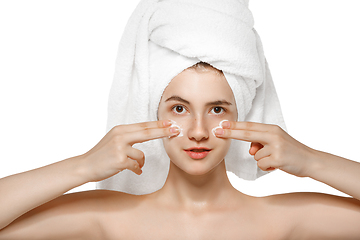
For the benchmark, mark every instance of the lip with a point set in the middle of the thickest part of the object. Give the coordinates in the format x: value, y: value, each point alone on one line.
x: 197, y: 154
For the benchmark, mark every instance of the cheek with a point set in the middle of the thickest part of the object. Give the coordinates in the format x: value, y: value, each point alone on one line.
x: 173, y: 146
x: 171, y: 143
x: 220, y: 143
x: 226, y: 145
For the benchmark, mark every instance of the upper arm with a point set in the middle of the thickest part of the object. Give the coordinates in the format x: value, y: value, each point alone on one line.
x: 322, y: 216
x: 71, y: 216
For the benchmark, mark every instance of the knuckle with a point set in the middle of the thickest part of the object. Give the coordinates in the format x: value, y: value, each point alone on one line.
x: 141, y: 164
x: 227, y: 133
x: 279, y: 145
x: 147, y: 132
x: 122, y: 161
x: 119, y: 150
x: 276, y: 157
x: 277, y: 139
x: 247, y: 134
x: 135, y: 165
x: 119, y: 129
x: 142, y: 156
x: 249, y: 125
x: 276, y: 129
x: 117, y: 140
x: 144, y: 125
x: 257, y: 155
x: 160, y: 124
x: 275, y: 136
x: 139, y: 154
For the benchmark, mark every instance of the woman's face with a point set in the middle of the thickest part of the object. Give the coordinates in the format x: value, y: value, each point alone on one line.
x: 197, y: 101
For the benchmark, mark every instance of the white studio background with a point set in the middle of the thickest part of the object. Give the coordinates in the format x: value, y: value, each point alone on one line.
x: 57, y: 62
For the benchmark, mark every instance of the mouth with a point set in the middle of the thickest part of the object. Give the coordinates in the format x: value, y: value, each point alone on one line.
x: 197, y: 152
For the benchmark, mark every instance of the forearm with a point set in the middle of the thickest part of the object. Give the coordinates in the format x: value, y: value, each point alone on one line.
x: 24, y: 191
x: 337, y: 172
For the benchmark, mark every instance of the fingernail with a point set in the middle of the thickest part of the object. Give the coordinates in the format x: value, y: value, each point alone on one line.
x: 219, y: 131
x: 167, y: 123
x: 225, y: 124
x: 174, y: 130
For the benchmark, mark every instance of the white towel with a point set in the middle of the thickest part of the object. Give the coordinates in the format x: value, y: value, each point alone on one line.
x: 164, y: 37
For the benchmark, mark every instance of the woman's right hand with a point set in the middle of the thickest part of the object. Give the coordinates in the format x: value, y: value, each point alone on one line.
x: 114, y: 152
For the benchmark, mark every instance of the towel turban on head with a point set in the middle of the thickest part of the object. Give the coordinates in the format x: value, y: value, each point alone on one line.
x: 164, y: 37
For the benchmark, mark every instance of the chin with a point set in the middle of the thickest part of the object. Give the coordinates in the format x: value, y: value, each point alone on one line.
x: 197, y: 167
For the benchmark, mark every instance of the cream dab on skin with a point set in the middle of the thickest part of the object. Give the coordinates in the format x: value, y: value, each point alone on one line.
x: 220, y: 126
x: 174, y: 124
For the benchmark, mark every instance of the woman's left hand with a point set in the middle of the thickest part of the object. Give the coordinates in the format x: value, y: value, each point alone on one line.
x: 271, y: 146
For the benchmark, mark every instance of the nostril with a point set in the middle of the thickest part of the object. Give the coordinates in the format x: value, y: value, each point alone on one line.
x: 198, y: 130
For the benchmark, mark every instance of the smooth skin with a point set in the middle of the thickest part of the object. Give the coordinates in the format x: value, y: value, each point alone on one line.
x: 70, y: 215
x: 197, y: 200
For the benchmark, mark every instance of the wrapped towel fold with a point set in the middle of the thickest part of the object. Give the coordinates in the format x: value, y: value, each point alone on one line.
x: 164, y: 37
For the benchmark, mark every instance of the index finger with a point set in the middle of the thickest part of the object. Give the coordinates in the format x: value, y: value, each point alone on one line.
x: 244, y: 135
x: 248, y: 126
x: 150, y: 134
x: 134, y: 127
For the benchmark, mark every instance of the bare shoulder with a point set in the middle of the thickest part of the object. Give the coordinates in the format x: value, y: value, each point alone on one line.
x: 318, y: 215
x: 301, y: 201
x: 108, y: 200
x: 124, y: 216
x: 70, y: 216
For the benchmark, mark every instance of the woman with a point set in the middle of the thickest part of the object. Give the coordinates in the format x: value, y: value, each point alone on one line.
x: 197, y: 194
x: 197, y: 200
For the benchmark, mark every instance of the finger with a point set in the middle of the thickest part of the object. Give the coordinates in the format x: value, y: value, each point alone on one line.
x: 136, y: 155
x: 243, y: 135
x: 255, y: 147
x: 133, y: 165
x: 249, y: 126
x: 151, y: 134
x: 142, y: 126
x: 262, y: 153
x: 266, y: 164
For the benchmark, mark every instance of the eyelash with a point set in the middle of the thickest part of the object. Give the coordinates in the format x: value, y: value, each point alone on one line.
x: 223, y: 110
x: 174, y: 109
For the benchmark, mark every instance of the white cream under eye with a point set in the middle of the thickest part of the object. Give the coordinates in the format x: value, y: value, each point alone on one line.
x: 174, y: 124
x: 220, y: 126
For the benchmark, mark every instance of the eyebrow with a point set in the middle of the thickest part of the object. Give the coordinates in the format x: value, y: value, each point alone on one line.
x: 177, y: 98
x: 180, y: 99
x: 219, y: 102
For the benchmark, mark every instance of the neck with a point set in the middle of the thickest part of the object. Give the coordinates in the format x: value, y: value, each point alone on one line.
x: 212, y: 189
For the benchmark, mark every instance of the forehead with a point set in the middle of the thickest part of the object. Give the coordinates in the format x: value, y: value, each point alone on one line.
x: 199, y: 86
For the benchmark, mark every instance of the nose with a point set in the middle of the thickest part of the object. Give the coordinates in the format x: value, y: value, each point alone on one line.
x: 198, y: 130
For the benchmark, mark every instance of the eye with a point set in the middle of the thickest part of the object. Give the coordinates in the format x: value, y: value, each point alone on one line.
x: 218, y: 110
x: 179, y: 109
